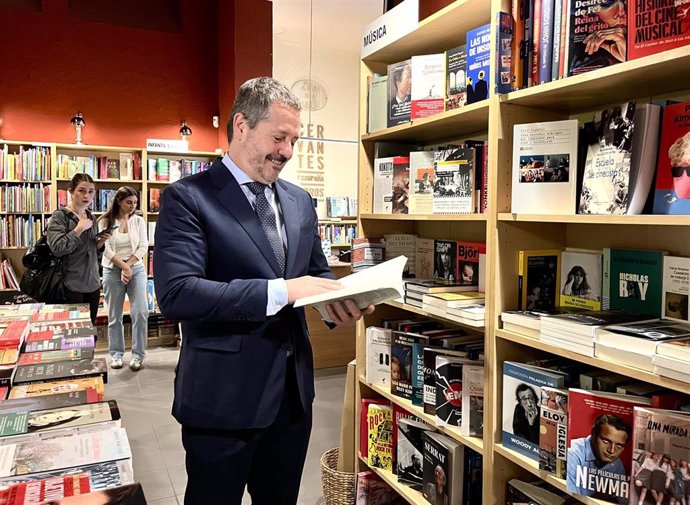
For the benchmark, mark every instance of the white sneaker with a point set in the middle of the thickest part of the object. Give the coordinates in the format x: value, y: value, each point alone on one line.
x: 116, y: 363
x: 136, y: 364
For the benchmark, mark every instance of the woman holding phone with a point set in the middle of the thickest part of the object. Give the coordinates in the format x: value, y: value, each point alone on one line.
x: 124, y: 272
x: 71, y: 234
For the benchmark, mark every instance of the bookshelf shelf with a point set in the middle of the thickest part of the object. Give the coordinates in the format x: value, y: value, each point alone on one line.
x: 637, y: 373
x: 409, y: 494
x: 21, y: 181
x: 422, y: 312
x: 648, y: 220
x: 533, y: 467
x: 473, y: 443
x: 651, y: 75
x: 423, y: 217
x: 96, y: 149
x: 158, y: 183
x: 23, y: 213
x: 469, y: 119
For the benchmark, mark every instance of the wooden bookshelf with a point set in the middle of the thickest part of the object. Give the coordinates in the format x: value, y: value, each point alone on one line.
x: 412, y: 496
x: 650, y: 78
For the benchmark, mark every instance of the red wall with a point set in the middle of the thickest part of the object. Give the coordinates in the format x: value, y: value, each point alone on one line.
x: 131, y: 83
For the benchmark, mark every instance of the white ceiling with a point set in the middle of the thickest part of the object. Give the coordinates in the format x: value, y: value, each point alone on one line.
x: 336, y: 24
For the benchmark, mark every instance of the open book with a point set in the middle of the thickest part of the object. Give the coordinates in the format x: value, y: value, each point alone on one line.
x: 372, y: 286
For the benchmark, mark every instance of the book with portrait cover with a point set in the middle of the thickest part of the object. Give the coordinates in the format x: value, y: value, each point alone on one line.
x: 657, y: 25
x: 581, y: 279
x: 553, y: 431
x: 404, y: 362
x: 410, y: 452
x: 456, y: 77
x: 400, y: 185
x: 44, y: 372
x: 636, y: 278
x: 676, y: 289
x: 454, y: 184
x: 672, y: 190
x: 600, y: 444
x: 428, y: 85
x: 444, y: 461
x: 445, y: 263
x: 399, y: 93
x: 599, y: 25
x: 380, y: 437
x: 660, y: 445
x: 538, y: 279
x: 422, y: 177
x: 544, y: 167
x: 521, y: 412
x: 33, y: 358
x: 468, y: 262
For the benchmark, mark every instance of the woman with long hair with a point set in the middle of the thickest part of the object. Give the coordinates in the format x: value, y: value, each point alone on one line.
x: 71, y: 234
x: 124, y: 272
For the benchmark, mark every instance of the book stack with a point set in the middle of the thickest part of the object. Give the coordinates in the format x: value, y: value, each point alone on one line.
x: 367, y: 252
x: 57, y: 432
x: 672, y: 359
x: 466, y: 308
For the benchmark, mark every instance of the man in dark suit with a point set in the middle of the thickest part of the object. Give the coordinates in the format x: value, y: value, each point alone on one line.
x: 235, y: 247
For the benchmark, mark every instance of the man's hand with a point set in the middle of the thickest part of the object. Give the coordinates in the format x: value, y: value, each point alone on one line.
x: 308, y: 286
x: 346, y: 312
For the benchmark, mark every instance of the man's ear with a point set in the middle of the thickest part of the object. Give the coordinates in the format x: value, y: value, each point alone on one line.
x: 239, y: 125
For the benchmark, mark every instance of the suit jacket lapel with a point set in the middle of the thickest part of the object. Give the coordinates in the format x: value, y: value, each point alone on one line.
x: 288, y: 206
x: 233, y: 199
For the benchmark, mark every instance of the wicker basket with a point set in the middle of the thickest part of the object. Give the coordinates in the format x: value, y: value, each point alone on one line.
x: 338, y: 487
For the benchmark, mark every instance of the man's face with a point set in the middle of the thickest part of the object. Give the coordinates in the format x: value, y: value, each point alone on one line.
x: 264, y: 150
x: 613, y: 13
x: 610, y: 443
x: 527, y: 400
x: 445, y: 259
x: 405, y: 84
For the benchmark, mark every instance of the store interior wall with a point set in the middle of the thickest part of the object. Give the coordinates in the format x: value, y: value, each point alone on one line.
x: 134, y: 69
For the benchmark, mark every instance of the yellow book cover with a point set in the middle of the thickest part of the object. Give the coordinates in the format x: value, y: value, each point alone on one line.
x: 380, y: 436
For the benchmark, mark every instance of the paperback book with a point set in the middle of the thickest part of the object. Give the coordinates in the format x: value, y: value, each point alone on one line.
x: 581, y: 279
x: 553, y: 431
x: 672, y: 190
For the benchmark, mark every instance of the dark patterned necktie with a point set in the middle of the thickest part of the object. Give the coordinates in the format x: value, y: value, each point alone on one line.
x: 267, y: 217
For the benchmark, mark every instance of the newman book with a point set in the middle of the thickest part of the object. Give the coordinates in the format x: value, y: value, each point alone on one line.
x: 553, y: 431
x: 636, y: 281
x: 600, y: 444
x: 672, y: 191
x: 657, y: 25
x: 521, y: 412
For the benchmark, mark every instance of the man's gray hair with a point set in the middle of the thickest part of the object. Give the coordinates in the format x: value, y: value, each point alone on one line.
x: 255, y: 98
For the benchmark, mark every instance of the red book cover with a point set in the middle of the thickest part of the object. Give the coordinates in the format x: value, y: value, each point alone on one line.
x: 36, y: 336
x: 657, y: 25
x: 51, y: 489
x: 468, y: 262
x: 672, y: 191
x: 599, y: 461
x: 518, y: 14
x: 3, y: 392
x: 363, y: 431
x: 401, y: 184
x: 564, y: 38
x: 12, y: 333
x: 136, y: 169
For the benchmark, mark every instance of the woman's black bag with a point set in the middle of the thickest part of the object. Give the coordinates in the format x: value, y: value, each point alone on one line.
x: 43, y: 279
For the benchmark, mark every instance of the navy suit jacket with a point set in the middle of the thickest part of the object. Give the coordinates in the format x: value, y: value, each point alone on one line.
x: 212, y: 263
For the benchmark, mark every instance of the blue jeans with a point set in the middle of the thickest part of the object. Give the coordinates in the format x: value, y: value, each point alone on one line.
x: 114, y: 291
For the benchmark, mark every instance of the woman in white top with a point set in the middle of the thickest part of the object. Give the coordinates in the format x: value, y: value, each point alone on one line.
x: 124, y: 272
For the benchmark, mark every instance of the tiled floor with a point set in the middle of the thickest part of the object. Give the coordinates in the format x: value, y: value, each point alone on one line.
x: 145, y: 398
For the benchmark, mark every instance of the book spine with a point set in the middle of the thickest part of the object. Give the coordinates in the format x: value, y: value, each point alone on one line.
x: 536, y: 43
x: 546, y: 41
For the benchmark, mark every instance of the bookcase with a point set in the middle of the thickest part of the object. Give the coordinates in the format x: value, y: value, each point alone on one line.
x: 505, y: 233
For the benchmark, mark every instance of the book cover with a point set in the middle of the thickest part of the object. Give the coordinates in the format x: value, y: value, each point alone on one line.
x: 378, y: 104
x: 424, y: 258
x: 57, y: 344
x: 656, y: 26
x: 606, y: 176
x: 64, y: 328
x: 410, y: 452
x: 553, y: 431
x: 378, y: 351
x: 44, y: 372
x: 41, y: 490
x: 641, y: 337
x: 154, y: 200
x: 546, y: 41
x: 383, y: 185
x: 422, y: 175
x: 428, y: 85
x: 472, y: 419
x: 538, y: 279
x: 126, y: 166
x: 478, y: 63
x: 517, y: 14
x: 672, y: 190
x: 443, y: 469
x: 399, y: 92
x: 597, y: 35
x: 32, y: 358
x: 403, y: 363
x: 521, y: 405
x: 401, y: 185
x: 636, y: 281
x: 364, y: 423
x: 448, y: 410
x: 132, y: 494
x: 454, y: 191
x: 113, y: 169
x: 468, y: 262
x: 101, y: 475
x: 676, y: 288
x: 61, y: 386
x: 504, y: 41
x: 44, y: 402
x: 456, y: 77
x: 445, y: 260
x: 600, y: 444
x: 429, y: 354
x: 380, y: 436
x: 372, y: 490
x: 581, y: 279
x: 544, y: 168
